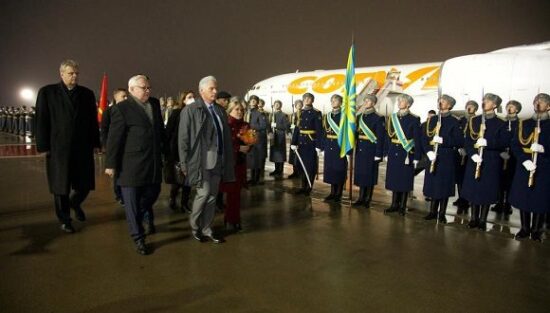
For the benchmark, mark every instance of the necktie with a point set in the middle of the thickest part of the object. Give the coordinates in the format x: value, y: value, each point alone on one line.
x: 218, y: 129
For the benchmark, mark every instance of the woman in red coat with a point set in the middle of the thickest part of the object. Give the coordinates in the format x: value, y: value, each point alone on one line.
x: 240, y: 147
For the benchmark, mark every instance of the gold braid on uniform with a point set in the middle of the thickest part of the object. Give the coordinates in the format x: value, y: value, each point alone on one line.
x: 388, y: 129
x: 472, y: 132
x: 325, y: 126
x: 430, y: 133
x: 466, y: 127
x: 523, y: 141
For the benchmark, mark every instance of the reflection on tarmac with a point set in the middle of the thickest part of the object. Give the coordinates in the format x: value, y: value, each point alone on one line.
x: 295, y: 254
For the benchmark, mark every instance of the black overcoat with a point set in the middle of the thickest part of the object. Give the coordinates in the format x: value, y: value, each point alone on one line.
x: 67, y: 129
x: 135, y: 144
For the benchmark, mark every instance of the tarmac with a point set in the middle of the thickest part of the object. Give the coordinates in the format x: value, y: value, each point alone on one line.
x: 295, y: 254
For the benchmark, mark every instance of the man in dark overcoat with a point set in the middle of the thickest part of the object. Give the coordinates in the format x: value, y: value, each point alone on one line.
x: 135, y: 145
x: 67, y: 132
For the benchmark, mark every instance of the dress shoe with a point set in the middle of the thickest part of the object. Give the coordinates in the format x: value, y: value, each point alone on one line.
x: 293, y: 175
x: 430, y: 216
x: 442, y: 219
x: 141, y: 248
x: 367, y: 204
x: 522, y: 234
x: 79, y: 214
x: 214, y: 239
x: 273, y: 173
x: 330, y: 197
x: 68, y: 228
x: 358, y: 202
x: 391, y: 210
x: 337, y: 199
x: 536, y: 236
x: 198, y: 236
x: 172, y: 204
x: 473, y: 224
x: 119, y: 200
x: 151, y: 229
x: 482, y: 226
x: 185, y: 208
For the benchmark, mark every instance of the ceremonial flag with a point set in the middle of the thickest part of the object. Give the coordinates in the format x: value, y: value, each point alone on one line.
x: 102, y: 105
x: 346, y: 135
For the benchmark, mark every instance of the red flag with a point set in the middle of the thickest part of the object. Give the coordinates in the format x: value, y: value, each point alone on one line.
x: 102, y: 105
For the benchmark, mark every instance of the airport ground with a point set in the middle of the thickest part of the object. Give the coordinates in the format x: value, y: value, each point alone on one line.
x: 295, y: 255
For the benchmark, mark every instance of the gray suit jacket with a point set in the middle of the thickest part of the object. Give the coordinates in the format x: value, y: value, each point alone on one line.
x: 197, y: 143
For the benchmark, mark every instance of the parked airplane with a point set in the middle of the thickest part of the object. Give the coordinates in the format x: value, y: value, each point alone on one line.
x: 516, y: 73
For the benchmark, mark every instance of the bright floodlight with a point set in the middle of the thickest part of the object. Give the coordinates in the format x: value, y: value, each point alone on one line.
x: 27, y: 94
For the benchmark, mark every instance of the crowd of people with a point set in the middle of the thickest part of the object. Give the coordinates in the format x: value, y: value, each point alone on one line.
x: 208, y: 141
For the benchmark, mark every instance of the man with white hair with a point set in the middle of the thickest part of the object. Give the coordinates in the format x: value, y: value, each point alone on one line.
x: 67, y: 132
x: 206, y: 156
x: 134, y: 146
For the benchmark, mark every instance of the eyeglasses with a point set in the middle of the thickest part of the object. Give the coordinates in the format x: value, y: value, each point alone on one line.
x: 144, y: 88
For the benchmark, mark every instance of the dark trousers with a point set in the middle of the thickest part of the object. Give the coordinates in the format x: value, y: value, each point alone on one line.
x: 138, y: 204
x: 63, y: 204
x: 118, y: 191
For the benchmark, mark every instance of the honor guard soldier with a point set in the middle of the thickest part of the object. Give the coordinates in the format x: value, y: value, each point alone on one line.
x: 335, y: 167
x: 307, y: 142
x: 257, y: 155
x: 486, y: 138
x: 441, y: 138
x: 530, y: 191
x: 461, y: 203
x: 509, y: 161
x: 2, y: 118
x: 297, y: 109
x: 279, y: 128
x: 371, y: 135
x: 403, y: 151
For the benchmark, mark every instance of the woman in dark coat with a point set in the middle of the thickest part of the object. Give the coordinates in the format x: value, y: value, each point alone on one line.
x: 233, y: 189
x: 171, y: 172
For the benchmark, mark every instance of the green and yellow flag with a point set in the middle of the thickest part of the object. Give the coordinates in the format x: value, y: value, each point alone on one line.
x: 346, y: 135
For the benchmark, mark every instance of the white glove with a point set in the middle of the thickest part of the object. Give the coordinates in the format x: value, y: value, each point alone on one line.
x: 385, y: 159
x: 431, y: 155
x: 505, y: 155
x: 377, y: 158
x: 347, y: 158
x: 537, y: 147
x: 292, y: 127
x: 415, y: 163
x: 294, y: 147
x: 481, y: 142
x: 529, y: 165
x: 438, y: 139
x: 476, y: 158
x: 462, y: 152
x: 273, y: 125
x: 318, y: 150
x: 270, y: 136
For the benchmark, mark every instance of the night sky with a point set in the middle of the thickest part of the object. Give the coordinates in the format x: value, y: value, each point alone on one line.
x: 242, y: 42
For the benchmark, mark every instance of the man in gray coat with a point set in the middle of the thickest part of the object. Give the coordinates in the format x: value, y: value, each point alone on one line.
x: 206, y: 156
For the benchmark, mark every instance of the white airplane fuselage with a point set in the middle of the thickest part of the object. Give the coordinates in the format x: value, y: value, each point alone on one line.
x: 517, y: 73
